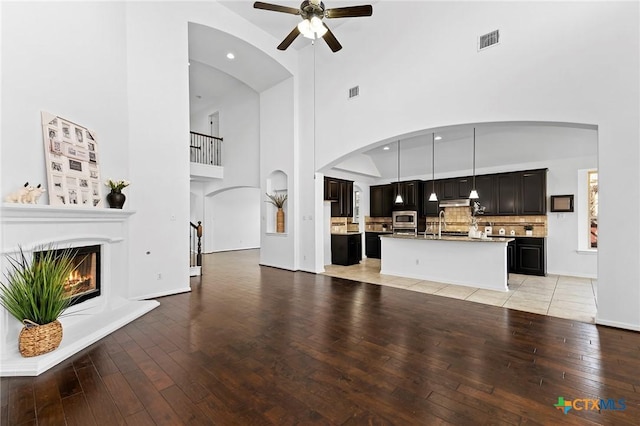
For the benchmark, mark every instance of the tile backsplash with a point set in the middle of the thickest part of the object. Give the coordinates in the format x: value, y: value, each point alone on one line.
x: 458, y: 219
x: 342, y: 225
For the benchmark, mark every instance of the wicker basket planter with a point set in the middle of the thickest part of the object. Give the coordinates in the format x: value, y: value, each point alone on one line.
x: 35, y: 339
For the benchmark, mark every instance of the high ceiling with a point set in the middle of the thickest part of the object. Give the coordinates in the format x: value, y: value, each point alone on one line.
x: 213, y: 76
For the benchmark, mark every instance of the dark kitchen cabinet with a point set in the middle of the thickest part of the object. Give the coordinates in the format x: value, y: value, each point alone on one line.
x: 533, y: 192
x: 381, y: 200
x: 530, y: 256
x: 448, y: 189
x: 485, y: 185
x: 372, y: 245
x: 506, y: 193
x: 464, y: 187
x: 342, y: 204
x: 430, y: 208
x: 331, y: 189
x: 411, y: 192
x: 346, y: 249
x: 412, y: 195
x: 455, y: 188
x: 511, y: 256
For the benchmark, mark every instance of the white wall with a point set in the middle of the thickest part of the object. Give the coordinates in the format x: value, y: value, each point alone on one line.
x: 553, y: 64
x: 240, y: 129
x: 563, y: 257
x: 78, y: 73
x: 277, y: 145
x: 233, y: 220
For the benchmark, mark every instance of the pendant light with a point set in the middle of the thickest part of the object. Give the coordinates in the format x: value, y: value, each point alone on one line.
x: 399, y: 197
x: 433, y: 196
x: 474, y: 194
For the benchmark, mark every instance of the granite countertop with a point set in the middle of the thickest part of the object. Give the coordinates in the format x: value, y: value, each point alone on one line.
x: 346, y: 233
x: 452, y: 238
x: 515, y: 236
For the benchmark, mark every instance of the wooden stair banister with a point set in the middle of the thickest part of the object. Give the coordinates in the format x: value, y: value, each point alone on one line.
x: 198, y: 231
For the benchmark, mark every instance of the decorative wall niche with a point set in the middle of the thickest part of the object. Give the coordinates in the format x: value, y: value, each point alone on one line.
x: 276, y: 184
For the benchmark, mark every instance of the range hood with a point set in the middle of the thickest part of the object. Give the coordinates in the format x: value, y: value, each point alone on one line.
x: 463, y: 202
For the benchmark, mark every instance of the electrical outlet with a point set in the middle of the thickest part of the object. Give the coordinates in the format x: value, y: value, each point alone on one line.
x: 159, y: 276
x: 417, y: 261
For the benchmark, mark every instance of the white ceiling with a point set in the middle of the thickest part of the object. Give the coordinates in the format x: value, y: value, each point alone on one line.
x: 213, y: 76
x: 497, y: 145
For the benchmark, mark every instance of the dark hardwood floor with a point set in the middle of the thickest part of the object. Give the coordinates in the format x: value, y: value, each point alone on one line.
x: 253, y: 345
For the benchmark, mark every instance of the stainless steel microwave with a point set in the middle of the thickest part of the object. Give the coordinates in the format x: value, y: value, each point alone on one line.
x: 407, y: 219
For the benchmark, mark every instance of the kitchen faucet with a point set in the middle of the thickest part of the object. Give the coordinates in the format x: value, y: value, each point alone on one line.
x: 440, y: 220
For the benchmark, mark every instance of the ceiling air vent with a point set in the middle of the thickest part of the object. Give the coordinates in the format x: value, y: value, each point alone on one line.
x: 489, y: 39
x: 354, y: 91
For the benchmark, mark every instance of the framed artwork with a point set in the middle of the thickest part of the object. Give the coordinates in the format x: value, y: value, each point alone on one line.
x: 562, y: 203
x: 71, y: 156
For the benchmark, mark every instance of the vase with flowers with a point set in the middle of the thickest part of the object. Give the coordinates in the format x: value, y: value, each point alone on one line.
x: 116, y: 198
x: 278, y: 200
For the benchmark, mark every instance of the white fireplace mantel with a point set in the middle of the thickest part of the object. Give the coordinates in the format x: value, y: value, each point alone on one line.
x: 30, y: 226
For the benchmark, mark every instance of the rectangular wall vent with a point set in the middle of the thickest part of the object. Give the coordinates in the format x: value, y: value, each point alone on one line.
x: 489, y: 39
x: 354, y: 91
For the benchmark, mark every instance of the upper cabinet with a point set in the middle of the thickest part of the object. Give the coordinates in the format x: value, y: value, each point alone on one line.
x: 501, y: 194
x: 521, y: 193
x: 533, y: 192
x: 455, y: 188
x: 485, y: 185
x: 411, y: 192
x: 340, y: 193
x: 331, y: 189
x: 506, y: 194
x: 430, y: 208
x: 381, y: 199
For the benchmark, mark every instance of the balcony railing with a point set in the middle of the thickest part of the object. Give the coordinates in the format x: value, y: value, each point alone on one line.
x: 206, y: 149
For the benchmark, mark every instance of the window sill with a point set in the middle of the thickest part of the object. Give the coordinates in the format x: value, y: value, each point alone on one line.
x: 587, y: 251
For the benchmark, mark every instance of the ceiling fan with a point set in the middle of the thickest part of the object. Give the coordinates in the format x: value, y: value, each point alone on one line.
x: 312, y: 12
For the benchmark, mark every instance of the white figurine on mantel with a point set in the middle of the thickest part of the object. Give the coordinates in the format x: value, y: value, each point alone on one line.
x: 21, y: 195
x: 33, y: 196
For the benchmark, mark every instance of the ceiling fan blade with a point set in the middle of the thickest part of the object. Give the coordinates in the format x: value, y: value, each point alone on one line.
x: 289, y: 39
x: 276, y: 8
x: 331, y: 40
x: 349, y: 12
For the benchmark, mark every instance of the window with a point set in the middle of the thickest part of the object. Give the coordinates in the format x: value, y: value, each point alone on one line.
x: 356, y: 206
x: 593, y: 208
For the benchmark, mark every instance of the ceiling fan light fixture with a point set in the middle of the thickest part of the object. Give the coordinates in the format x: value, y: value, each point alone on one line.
x: 312, y: 28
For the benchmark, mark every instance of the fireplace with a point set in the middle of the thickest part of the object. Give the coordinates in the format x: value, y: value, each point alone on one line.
x: 84, y: 282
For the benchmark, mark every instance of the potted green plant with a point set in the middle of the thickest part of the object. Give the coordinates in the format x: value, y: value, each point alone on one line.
x: 278, y: 200
x: 34, y: 294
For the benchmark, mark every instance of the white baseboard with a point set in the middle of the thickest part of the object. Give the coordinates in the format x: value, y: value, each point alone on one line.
x: 617, y: 324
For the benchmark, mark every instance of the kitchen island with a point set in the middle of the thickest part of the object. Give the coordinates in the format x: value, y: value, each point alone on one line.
x: 472, y: 262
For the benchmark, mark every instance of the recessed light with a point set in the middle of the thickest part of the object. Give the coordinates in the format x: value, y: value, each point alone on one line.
x: 231, y: 56
x: 386, y: 148
x: 438, y: 138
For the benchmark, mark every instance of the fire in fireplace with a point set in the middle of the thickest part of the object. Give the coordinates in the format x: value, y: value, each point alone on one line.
x: 84, y: 281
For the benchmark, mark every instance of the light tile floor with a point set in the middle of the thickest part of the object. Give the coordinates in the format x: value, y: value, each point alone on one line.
x: 553, y: 295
